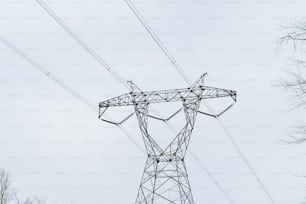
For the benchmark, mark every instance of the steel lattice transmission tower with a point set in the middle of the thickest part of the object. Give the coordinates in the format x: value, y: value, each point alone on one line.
x: 165, y: 179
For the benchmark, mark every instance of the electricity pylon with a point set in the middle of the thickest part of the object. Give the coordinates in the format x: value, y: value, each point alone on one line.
x: 165, y: 178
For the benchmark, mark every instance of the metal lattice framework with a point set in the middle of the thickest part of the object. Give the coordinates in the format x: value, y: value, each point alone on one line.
x: 165, y: 178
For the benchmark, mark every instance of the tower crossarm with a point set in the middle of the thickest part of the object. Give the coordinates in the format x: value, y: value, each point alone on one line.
x: 174, y: 95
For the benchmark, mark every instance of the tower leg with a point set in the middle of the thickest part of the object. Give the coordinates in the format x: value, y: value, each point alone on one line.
x: 164, y: 182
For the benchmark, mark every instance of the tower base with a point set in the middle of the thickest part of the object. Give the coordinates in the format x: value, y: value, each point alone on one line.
x: 164, y: 181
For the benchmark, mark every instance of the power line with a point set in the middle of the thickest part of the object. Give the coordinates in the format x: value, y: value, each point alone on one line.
x: 117, y: 76
x: 158, y: 42
x: 245, y: 160
x: 183, y: 74
x: 75, y: 36
x: 60, y: 83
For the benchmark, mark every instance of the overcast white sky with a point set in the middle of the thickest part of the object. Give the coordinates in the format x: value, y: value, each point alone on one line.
x: 56, y: 147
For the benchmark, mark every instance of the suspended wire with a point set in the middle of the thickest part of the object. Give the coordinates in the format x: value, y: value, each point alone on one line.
x: 176, y: 30
x: 158, y: 42
x: 193, y: 156
x: 119, y: 78
x: 61, y: 84
x: 75, y: 36
x: 245, y: 160
x: 184, y: 75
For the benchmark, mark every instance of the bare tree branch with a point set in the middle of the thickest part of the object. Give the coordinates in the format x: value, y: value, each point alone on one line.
x: 6, y: 194
x: 296, y: 34
x: 295, y: 84
x: 9, y: 196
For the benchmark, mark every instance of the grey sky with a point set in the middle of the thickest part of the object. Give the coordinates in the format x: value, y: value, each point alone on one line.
x: 57, y: 148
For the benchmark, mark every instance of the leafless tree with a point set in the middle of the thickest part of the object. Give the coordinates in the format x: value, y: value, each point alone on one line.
x: 9, y: 196
x: 295, y: 83
x: 6, y: 194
